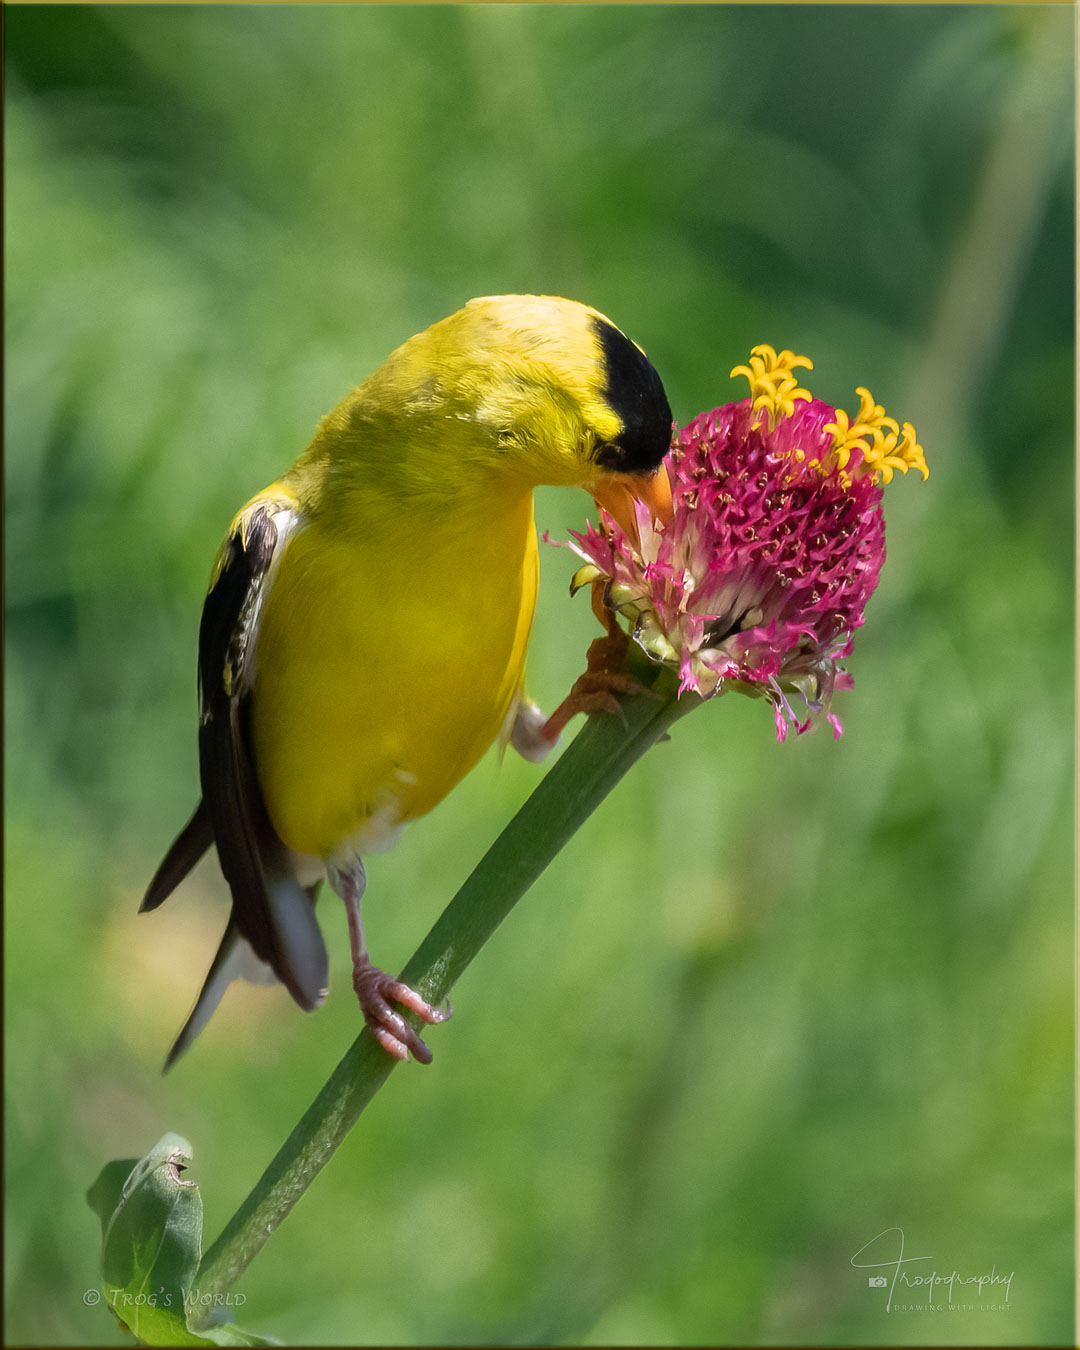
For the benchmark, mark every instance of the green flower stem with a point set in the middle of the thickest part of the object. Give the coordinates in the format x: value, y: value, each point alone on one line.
x: 586, y: 772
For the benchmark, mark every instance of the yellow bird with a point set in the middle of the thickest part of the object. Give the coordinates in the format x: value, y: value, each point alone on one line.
x: 363, y: 638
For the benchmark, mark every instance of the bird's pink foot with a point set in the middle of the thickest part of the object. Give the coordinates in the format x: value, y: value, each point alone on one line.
x: 376, y: 992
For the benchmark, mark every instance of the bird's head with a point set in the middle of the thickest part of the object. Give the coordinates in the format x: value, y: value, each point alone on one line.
x: 533, y: 388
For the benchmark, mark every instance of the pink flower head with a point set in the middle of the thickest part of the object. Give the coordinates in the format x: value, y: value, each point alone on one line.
x: 775, y: 546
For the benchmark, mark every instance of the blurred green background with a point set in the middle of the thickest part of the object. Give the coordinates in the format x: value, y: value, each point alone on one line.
x: 772, y: 1000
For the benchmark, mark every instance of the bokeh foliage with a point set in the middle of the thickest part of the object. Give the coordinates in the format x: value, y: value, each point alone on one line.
x: 774, y: 999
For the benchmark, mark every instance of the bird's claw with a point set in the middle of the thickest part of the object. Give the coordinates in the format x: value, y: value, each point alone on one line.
x: 595, y: 690
x: 376, y: 991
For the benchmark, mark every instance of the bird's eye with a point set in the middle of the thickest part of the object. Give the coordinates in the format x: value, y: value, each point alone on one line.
x: 608, y: 456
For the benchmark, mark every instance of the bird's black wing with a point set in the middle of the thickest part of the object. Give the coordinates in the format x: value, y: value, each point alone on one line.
x: 271, y: 909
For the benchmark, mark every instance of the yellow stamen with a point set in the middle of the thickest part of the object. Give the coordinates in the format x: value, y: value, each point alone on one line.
x: 884, y: 446
x: 773, y: 387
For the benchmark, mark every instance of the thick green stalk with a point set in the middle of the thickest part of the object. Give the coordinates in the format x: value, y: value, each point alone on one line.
x: 587, y: 771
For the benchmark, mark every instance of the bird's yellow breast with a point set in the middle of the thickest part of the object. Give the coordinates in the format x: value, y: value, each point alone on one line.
x: 391, y: 647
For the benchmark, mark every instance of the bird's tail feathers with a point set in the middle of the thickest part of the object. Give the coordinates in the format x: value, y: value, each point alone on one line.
x: 186, y: 850
x: 292, y: 909
x: 234, y: 961
x: 303, y: 965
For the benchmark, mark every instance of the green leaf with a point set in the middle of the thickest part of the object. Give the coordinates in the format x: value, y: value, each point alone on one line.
x: 151, y: 1232
x: 104, y: 1195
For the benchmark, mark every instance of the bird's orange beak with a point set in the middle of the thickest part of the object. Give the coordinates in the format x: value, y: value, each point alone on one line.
x: 617, y: 495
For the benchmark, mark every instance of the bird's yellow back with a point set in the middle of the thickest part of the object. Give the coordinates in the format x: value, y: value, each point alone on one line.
x: 510, y: 385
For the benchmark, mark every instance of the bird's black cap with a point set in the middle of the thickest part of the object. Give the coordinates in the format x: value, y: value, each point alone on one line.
x: 636, y: 395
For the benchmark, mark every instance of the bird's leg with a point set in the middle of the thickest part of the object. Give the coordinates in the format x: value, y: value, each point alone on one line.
x: 377, y: 990
x: 604, y: 676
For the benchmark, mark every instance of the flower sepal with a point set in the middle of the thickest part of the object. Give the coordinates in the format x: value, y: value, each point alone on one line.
x: 583, y: 577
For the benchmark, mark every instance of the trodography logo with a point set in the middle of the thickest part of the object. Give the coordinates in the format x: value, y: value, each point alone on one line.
x: 914, y: 1287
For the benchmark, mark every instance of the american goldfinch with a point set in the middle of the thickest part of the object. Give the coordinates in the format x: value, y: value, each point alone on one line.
x: 363, y: 639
